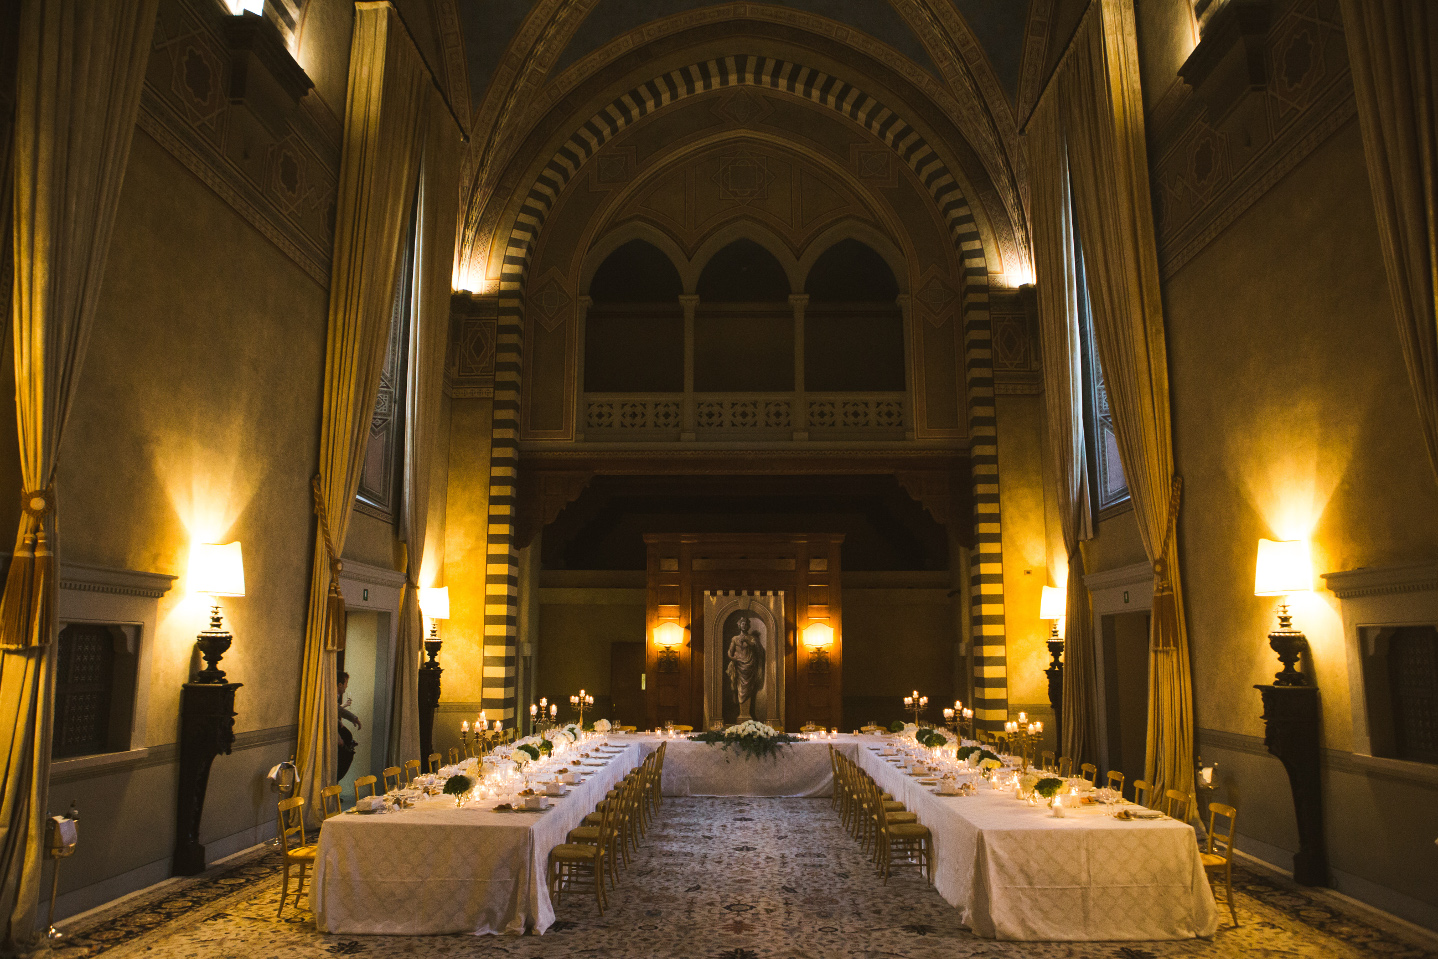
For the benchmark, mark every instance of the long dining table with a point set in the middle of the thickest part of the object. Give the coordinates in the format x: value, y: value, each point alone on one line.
x: 1015, y: 871
x: 435, y: 868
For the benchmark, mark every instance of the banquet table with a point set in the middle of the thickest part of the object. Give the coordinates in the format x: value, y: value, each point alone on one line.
x: 800, y: 770
x: 436, y: 868
x: 1016, y: 872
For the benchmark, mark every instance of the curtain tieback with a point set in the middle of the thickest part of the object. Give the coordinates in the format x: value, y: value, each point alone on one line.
x: 1165, y: 603
x: 335, y: 620
x: 38, y: 503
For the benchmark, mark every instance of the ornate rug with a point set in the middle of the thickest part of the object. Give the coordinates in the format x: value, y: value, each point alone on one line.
x: 721, y: 879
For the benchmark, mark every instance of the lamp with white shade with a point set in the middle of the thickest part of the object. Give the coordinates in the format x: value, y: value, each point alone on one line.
x: 434, y: 604
x: 1284, y: 568
x: 1053, y: 605
x: 217, y: 570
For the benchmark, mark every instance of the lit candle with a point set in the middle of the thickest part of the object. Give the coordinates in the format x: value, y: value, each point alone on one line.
x: 948, y: 713
x: 464, y: 726
x: 958, y: 706
x: 533, y: 709
x: 554, y: 709
x: 1023, y: 717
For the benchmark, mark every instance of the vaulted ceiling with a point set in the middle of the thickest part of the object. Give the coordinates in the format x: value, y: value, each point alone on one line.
x: 963, y: 73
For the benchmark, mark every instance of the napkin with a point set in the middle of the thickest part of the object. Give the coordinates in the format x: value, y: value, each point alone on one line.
x: 370, y: 804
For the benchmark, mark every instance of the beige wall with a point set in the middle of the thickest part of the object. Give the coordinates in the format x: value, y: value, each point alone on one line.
x: 1025, y: 544
x: 467, y: 516
x: 1293, y: 419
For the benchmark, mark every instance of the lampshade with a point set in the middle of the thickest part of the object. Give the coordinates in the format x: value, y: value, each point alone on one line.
x: 217, y: 570
x: 1283, y: 568
x: 1052, y: 602
x: 434, y: 601
x: 669, y: 634
x: 818, y: 635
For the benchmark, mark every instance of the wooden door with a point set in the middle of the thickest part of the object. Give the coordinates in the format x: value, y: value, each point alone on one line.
x: 626, y: 684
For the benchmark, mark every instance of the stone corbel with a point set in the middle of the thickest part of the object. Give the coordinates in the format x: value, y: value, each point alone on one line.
x: 1230, y: 63
x: 264, y: 77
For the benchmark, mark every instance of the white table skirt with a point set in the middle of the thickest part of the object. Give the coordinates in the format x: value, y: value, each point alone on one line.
x: 1016, y: 872
x: 438, y: 869
x: 800, y: 770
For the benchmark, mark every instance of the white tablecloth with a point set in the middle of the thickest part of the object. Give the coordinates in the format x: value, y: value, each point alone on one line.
x: 439, y: 869
x: 1016, y: 872
x: 701, y: 769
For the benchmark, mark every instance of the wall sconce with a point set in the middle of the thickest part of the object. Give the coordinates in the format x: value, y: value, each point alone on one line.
x: 218, y: 570
x: 819, y: 638
x: 1053, y: 605
x: 1284, y: 568
x: 669, y: 636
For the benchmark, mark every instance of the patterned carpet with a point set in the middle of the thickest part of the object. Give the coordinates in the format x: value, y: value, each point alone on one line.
x: 719, y: 879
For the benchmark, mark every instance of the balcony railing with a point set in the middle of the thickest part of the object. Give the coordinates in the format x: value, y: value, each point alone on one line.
x: 669, y: 417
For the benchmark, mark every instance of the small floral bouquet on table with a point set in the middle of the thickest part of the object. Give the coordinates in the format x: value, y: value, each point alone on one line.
x: 602, y: 726
x: 525, y: 753
x: 1049, y: 787
x: 458, y: 786
x: 751, y: 737
x: 897, y: 726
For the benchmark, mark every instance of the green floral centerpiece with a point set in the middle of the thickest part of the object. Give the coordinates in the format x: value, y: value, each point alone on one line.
x: 897, y: 726
x: 458, y: 786
x: 528, y: 750
x: 752, y: 738
x: 545, y: 747
x: 931, y: 738
x: 1048, y: 787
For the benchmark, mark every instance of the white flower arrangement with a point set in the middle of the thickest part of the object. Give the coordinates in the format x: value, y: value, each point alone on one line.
x: 990, y: 764
x: 602, y: 726
x: 752, y: 729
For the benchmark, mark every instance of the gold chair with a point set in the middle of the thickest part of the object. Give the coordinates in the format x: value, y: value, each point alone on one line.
x: 911, y: 842
x: 453, y: 755
x: 628, y: 729
x: 580, y: 865
x: 1142, y: 792
x: 1046, y: 761
x: 1177, y: 804
x: 330, y: 796
x: 1217, y: 855
x: 811, y: 728
x: 1115, y: 781
x: 682, y: 729
x: 361, y: 783
x: 1089, y: 772
x: 871, y: 728
x: 411, y: 770
x: 297, y: 852
x: 435, y: 761
x: 1066, y: 767
x: 392, y: 778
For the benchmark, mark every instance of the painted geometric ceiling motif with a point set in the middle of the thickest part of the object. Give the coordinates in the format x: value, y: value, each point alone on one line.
x: 743, y: 176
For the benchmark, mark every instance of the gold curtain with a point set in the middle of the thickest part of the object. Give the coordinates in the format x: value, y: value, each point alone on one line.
x: 1062, y: 343
x: 384, y: 118
x: 1393, y: 50
x: 429, y: 336
x: 1103, y: 123
x: 80, y: 69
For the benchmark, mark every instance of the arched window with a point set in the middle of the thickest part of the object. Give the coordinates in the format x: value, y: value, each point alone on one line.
x: 744, y: 326
x: 853, y: 328
x: 634, y: 331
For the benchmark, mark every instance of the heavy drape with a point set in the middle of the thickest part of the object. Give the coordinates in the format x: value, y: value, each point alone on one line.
x: 429, y: 335
x: 1056, y: 272
x: 80, y: 69
x: 384, y: 117
x: 1104, y: 128
x: 1393, y: 50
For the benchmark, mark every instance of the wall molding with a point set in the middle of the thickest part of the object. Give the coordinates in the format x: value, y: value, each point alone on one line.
x: 1334, y: 760
x: 1382, y: 580
x: 110, y: 764
x: 118, y: 582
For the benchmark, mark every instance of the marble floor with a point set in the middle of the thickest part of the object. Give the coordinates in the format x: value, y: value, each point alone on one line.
x: 721, y: 879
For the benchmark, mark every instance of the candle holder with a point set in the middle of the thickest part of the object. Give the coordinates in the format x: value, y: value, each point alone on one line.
x: 917, y: 703
x: 581, y: 701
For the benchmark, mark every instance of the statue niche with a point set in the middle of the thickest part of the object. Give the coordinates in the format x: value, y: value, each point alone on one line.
x: 745, y: 681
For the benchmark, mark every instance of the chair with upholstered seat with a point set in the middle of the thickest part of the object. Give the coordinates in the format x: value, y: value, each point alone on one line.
x: 1142, y: 792
x: 297, y: 851
x: 1089, y: 773
x: 1177, y: 804
x: 330, y: 800
x: 1217, y: 855
x: 361, y: 783
x: 1115, y: 781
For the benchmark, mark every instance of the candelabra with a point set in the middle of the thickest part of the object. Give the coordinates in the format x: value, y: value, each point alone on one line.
x: 954, y: 718
x: 581, y: 702
x: 1023, y: 734
x: 917, y: 703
